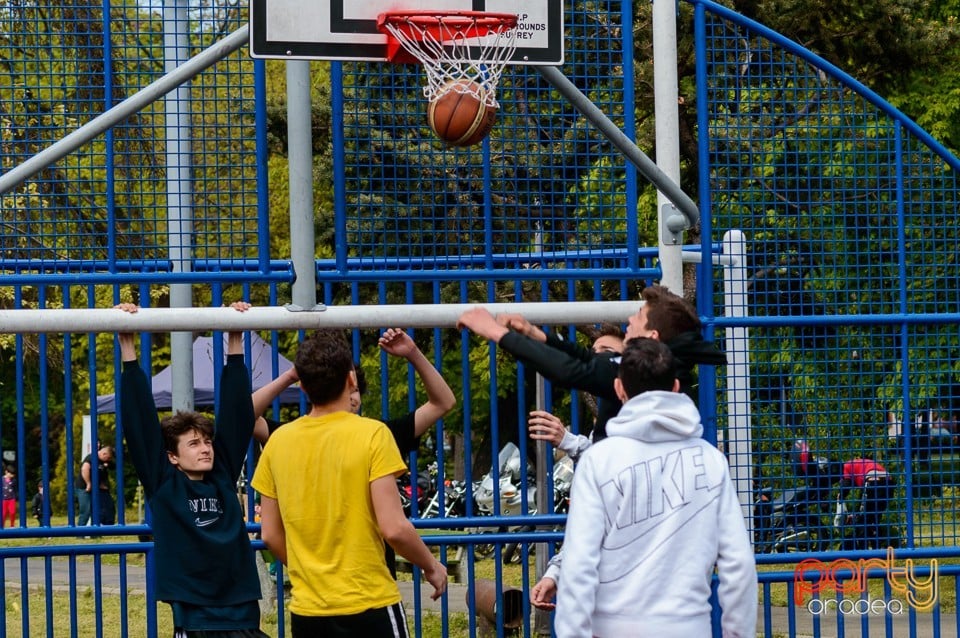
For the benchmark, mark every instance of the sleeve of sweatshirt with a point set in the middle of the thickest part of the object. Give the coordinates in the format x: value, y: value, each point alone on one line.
x: 577, y: 592
x: 572, y: 348
x: 235, y: 417
x: 574, y: 444
x: 736, y: 568
x: 141, y: 427
x: 594, y: 375
x: 553, y: 567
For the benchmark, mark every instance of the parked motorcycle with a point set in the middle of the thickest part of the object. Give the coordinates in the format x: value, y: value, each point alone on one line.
x: 454, y: 501
x: 507, y: 492
x: 562, y: 480
x: 504, y: 496
x: 511, y: 498
x: 422, y: 494
x: 794, y: 520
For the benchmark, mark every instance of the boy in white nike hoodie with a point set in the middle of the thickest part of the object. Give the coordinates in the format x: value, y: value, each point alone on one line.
x: 652, y: 512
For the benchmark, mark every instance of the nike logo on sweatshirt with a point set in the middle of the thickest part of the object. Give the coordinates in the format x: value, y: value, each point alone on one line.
x: 662, y: 491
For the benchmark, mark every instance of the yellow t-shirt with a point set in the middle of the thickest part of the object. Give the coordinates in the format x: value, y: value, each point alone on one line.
x: 319, y: 470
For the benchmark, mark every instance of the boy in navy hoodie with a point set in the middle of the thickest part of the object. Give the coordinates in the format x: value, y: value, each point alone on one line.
x: 205, y: 566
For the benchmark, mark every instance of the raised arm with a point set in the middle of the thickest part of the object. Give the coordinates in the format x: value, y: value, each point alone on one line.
x: 235, y: 418
x: 440, y: 398
x: 138, y: 414
x: 264, y: 396
x: 235, y: 338
x: 594, y: 375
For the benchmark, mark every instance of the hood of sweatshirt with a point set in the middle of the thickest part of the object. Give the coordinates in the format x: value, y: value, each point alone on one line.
x: 657, y: 416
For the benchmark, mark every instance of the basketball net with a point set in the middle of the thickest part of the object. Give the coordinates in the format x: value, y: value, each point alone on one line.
x: 464, y: 51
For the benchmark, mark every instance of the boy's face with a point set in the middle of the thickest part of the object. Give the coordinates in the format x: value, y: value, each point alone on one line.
x: 194, y: 455
x: 608, y: 343
x: 637, y: 326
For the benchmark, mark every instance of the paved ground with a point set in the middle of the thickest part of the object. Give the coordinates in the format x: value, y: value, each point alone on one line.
x: 58, y: 573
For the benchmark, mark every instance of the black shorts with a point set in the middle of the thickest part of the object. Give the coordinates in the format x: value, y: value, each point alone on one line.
x: 386, y: 622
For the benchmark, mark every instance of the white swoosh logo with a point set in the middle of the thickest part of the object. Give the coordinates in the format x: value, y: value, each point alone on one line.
x: 200, y: 523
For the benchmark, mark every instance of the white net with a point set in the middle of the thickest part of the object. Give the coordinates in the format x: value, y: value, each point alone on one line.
x: 461, y: 52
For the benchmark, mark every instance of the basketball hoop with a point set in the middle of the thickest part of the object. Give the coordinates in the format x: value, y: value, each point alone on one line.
x: 459, y: 49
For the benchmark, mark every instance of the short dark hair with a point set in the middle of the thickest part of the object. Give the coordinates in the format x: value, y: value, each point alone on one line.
x: 323, y: 363
x: 176, y: 425
x: 669, y: 314
x: 610, y: 330
x: 646, y: 364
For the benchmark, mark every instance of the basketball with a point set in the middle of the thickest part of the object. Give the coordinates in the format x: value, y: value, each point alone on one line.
x: 458, y: 116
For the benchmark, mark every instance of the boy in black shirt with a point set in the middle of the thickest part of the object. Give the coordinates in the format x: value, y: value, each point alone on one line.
x: 205, y: 568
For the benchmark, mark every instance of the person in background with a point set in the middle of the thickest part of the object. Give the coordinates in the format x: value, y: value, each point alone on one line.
x: 640, y: 552
x: 84, y: 486
x: 9, y: 497
x: 37, y: 505
x: 663, y: 316
x: 876, y: 489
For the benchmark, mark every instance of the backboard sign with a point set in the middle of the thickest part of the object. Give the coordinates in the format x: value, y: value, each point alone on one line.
x: 347, y: 29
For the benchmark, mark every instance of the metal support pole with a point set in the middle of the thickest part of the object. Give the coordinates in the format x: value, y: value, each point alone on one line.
x: 179, y: 163
x: 666, y: 110
x: 541, y: 619
x: 300, y: 167
x: 737, y: 439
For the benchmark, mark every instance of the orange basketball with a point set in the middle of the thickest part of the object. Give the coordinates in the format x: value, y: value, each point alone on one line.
x: 458, y: 117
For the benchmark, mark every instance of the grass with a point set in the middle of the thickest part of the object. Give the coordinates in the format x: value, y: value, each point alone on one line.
x: 113, y: 614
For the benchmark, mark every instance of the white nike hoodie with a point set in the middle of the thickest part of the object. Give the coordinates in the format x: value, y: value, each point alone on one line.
x: 652, y: 511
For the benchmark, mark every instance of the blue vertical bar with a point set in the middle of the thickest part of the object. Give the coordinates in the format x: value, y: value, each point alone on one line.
x: 630, y: 130
x: 109, y: 145
x: 339, y: 171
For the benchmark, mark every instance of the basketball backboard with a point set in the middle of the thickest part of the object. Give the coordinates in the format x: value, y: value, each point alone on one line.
x: 347, y: 29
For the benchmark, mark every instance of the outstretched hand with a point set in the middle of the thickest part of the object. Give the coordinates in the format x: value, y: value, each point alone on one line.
x: 127, y: 350
x: 398, y: 343
x: 235, y: 337
x: 480, y: 322
x: 543, y: 594
x: 519, y: 323
x: 544, y: 426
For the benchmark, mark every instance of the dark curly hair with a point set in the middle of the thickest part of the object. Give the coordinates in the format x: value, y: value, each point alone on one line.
x: 324, y: 362
x: 176, y: 425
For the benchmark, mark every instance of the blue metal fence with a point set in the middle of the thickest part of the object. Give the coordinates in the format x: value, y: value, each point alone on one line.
x: 844, y: 202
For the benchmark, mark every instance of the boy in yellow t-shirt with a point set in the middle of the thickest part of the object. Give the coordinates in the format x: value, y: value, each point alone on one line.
x: 329, y: 500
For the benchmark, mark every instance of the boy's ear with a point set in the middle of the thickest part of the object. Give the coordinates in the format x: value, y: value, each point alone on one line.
x: 618, y: 388
x: 173, y: 458
x: 352, y: 383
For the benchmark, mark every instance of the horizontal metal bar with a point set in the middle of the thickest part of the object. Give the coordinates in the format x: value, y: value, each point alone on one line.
x: 83, y: 320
